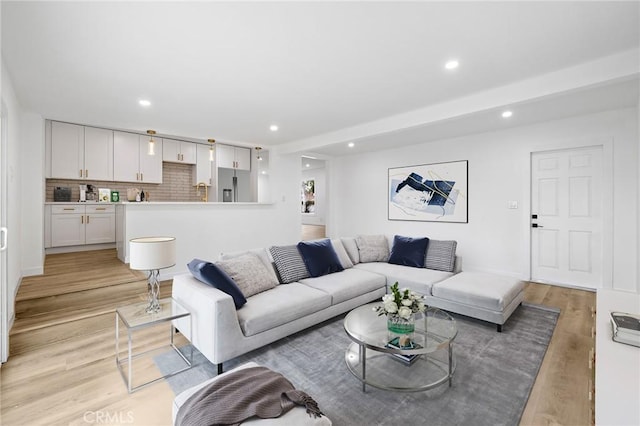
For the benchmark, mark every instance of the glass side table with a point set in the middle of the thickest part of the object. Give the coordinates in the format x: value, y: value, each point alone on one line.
x: 134, y: 319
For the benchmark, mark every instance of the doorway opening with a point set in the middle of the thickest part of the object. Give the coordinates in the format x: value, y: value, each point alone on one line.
x: 313, y: 198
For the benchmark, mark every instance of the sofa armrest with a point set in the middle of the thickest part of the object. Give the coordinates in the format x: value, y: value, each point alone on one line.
x: 214, y: 324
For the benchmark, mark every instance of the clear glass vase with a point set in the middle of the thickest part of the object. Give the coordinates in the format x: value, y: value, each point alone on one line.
x: 399, y: 327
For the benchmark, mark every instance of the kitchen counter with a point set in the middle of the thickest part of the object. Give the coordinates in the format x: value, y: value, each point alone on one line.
x: 201, y: 229
x: 155, y: 203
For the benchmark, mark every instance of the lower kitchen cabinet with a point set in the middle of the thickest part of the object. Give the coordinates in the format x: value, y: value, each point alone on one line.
x: 75, y: 225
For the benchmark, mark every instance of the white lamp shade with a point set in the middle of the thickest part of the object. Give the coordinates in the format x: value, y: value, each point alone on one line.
x: 150, y: 253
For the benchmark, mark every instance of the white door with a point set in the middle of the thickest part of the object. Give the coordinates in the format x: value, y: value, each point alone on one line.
x: 566, y: 217
x: 4, y: 282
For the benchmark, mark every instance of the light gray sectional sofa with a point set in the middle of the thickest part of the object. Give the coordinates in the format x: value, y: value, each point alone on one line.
x: 222, y: 332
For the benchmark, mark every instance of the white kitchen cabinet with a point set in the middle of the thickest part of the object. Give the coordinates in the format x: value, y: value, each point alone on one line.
x: 175, y: 151
x: 80, y: 152
x: 150, y: 165
x: 100, y: 224
x: 132, y: 161
x: 67, y: 226
x: 233, y: 157
x: 98, y: 153
x: 76, y: 225
x: 204, y: 167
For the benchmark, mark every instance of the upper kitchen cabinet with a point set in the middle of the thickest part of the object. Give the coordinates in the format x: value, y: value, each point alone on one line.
x: 134, y: 164
x: 233, y: 157
x: 204, y: 165
x: 178, y: 151
x: 80, y: 152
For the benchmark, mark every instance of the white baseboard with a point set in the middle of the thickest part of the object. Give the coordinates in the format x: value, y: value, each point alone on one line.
x: 29, y: 272
x: 88, y: 247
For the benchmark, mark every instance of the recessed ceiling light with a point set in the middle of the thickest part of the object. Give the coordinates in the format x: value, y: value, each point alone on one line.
x: 144, y: 102
x: 264, y: 172
x: 351, y: 145
x: 452, y: 64
x: 307, y: 165
x: 273, y: 128
x: 507, y: 114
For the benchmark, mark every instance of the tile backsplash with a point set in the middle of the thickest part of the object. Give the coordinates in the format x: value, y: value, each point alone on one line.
x: 176, y: 185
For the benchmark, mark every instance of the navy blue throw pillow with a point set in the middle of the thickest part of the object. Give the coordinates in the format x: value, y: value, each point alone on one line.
x: 319, y: 257
x: 409, y: 251
x: 212, y: 275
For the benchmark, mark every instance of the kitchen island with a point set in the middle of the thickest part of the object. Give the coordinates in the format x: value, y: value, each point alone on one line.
x: 204, y: 230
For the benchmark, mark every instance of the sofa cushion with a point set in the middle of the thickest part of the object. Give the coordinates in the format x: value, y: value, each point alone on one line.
x: 344, y: 258
x: 289, y: 263
x: 212, y: 275
x: 347, y: 284
x: 441, y: 255
x: 419, y: 280
x: 249, y: 274
x: 280, y: 305
x: 262, y: 253
x: 351, y: 247
x: 489, y: 291
x: 373, y: 248
x: 409, y: 251
x: 319, y: 257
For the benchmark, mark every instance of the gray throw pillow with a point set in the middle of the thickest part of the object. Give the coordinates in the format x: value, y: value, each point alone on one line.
x: 352, y: 249
x: 372, y: 248
x: 289, y: 263
x: 345, y: 261
x: 249, y: 274
x: 441, y: 255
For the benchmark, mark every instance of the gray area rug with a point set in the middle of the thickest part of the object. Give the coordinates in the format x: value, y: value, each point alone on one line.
x: 494, y: 376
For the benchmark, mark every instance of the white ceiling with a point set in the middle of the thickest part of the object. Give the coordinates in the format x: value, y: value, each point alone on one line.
x: 324, y: 72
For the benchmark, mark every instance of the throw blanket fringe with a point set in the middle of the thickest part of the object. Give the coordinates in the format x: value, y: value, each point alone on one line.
x: 232, y: 399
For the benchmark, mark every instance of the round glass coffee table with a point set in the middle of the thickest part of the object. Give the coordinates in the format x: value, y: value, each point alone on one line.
x: 373, y: 362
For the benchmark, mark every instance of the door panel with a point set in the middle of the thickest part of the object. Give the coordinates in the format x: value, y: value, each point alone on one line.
x: 566, y: 245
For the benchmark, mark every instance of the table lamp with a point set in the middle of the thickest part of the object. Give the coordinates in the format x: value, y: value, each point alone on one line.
x: 152, y: 254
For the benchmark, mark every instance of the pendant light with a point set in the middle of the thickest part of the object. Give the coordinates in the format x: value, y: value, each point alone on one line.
x: 152, y: 143
x: 211, y: 142
x: 258, y: 149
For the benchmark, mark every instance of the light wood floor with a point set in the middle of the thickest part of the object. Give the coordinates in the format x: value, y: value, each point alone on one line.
x: 62, y: 369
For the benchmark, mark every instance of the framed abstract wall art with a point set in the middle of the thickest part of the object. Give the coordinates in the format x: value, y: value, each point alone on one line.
x: 429, y: 192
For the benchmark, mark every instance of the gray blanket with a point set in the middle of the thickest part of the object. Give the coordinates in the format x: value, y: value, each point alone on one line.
x: 232, y: 399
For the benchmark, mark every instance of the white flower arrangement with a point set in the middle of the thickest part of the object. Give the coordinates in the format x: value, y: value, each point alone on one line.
x: 402, y: 303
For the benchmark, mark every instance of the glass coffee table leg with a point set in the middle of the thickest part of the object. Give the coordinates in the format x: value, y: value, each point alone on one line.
x: 363, y: 363
x: 450, y: 363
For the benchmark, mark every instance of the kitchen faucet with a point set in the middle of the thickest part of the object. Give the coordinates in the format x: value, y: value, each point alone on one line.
x: 204, y: 185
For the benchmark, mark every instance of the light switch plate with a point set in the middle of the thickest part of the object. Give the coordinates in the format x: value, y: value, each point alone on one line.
x: 512, y: 204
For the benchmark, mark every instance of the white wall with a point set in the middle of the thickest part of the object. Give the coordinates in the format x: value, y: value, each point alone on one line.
x: 33, y: 190
x: 496, y: 238
x: 14, y: 209
x: 319, y: 175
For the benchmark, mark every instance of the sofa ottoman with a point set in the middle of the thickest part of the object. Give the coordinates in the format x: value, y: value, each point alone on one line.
x: 481, y: 295
x: 296, y: 416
